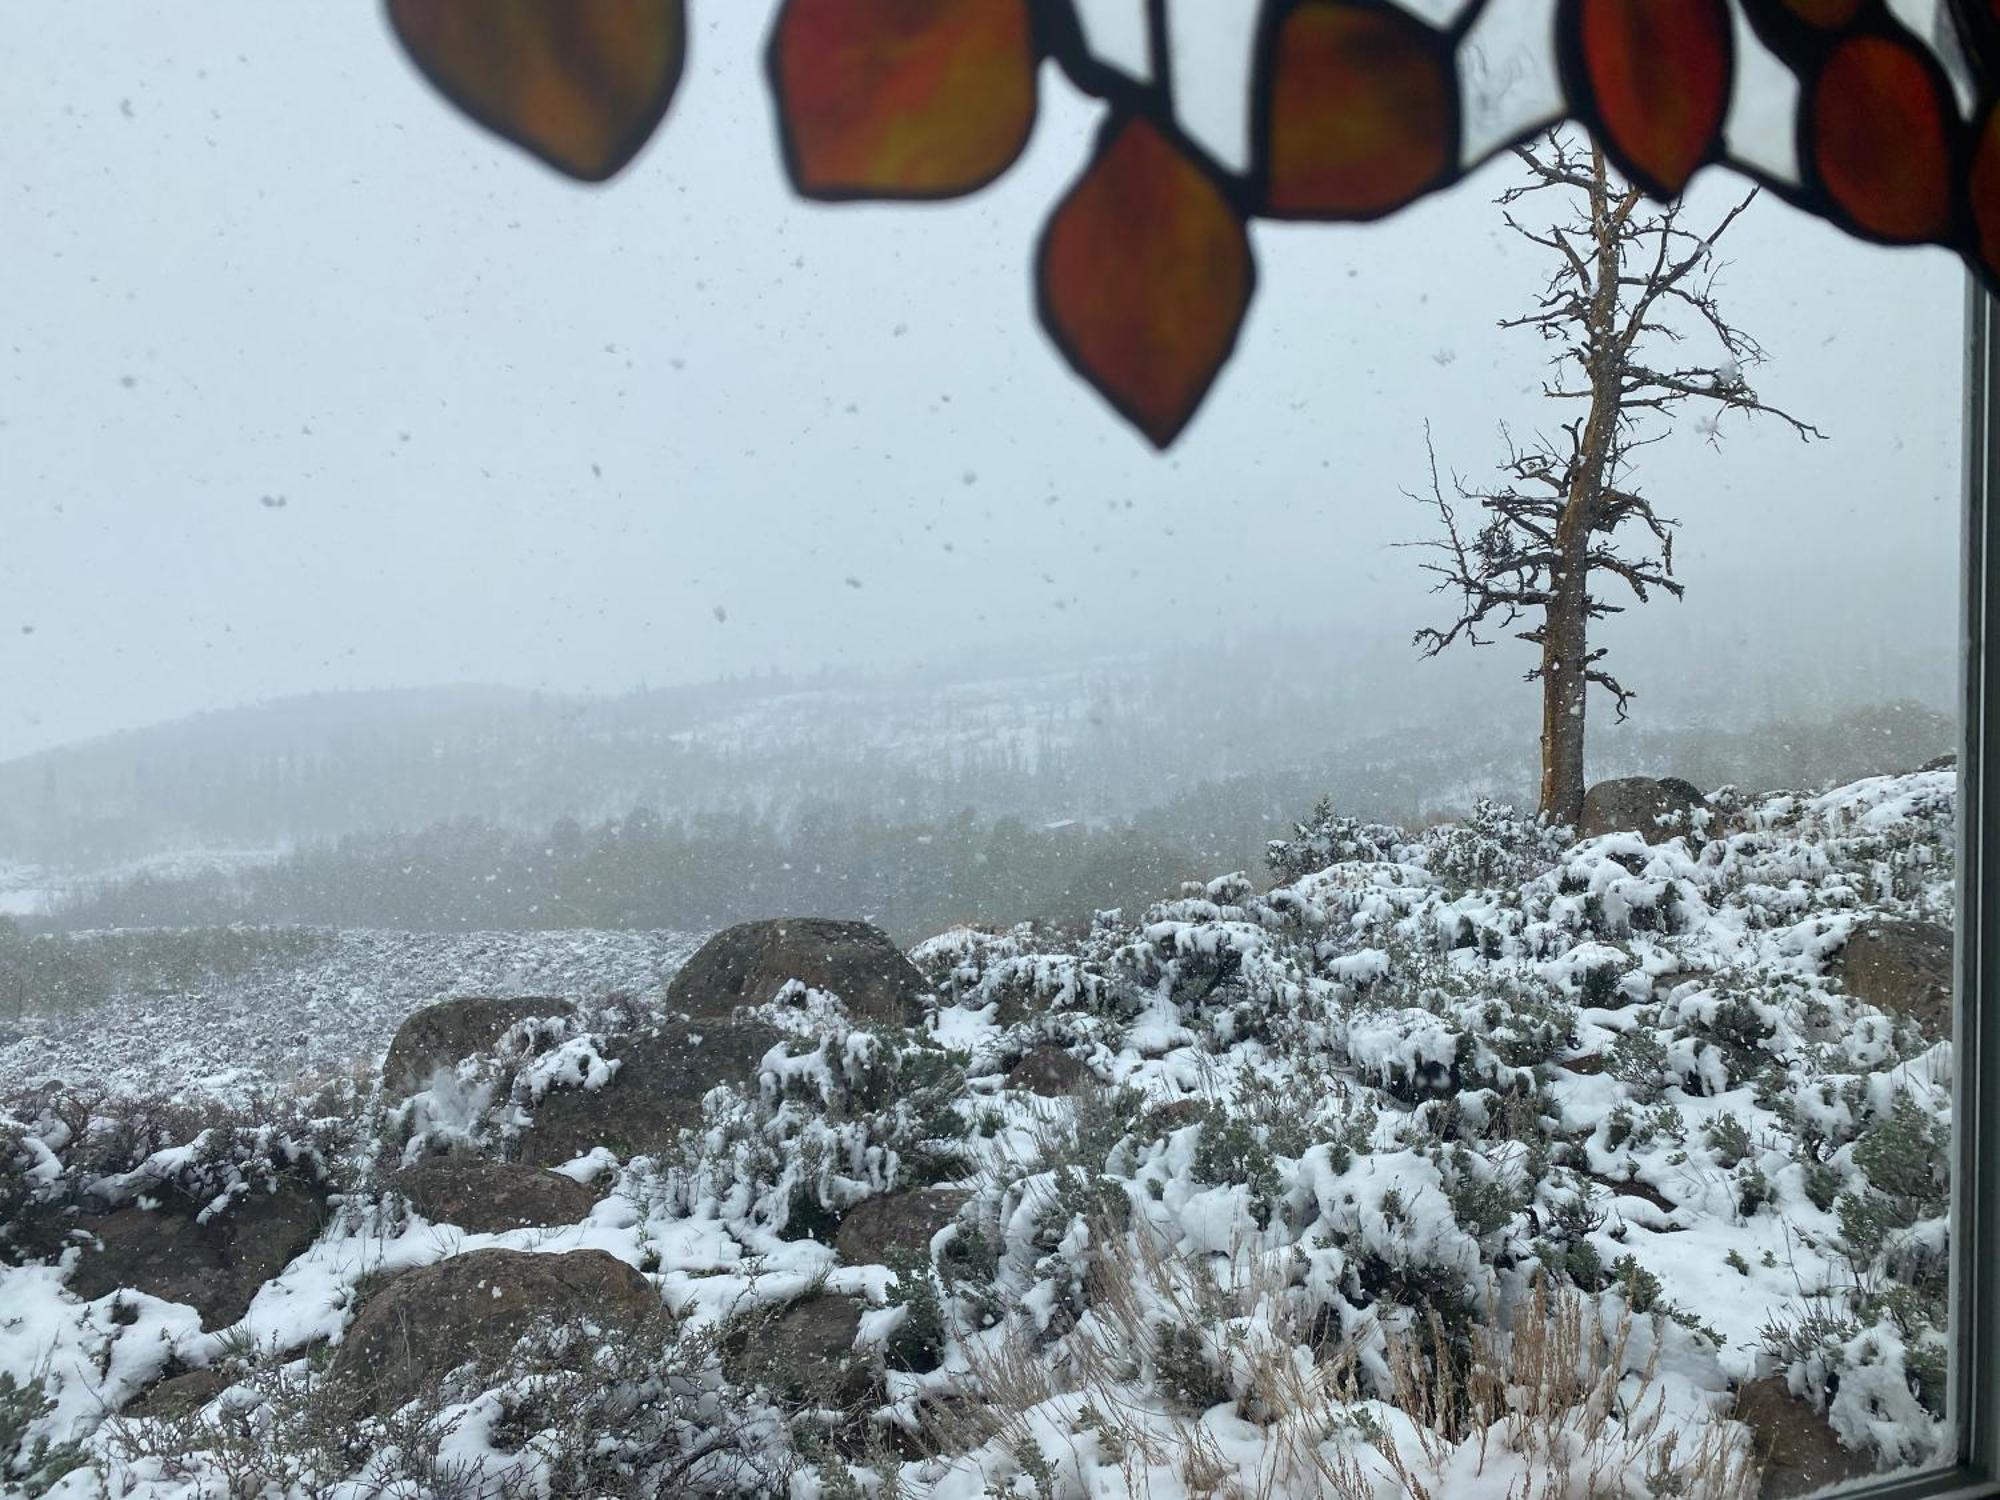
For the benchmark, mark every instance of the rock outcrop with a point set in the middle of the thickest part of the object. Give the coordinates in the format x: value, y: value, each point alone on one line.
x: 657, y: 1090
x: 489, y: 1197
x: 803, y: 1351
x: 1904, y: 967
x: 439, y: 1036
x: 214, y: 1266
x: 749, y: 963
x: 423, y: 1323
x: 896, y: 1227
x: 1657, y: 808
x: 1050, y: 1072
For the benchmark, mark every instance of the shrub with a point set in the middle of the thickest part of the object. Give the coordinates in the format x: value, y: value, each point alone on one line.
x: 1326, y: 838
x: 1728, y: 1139
x: 1228, y: 1151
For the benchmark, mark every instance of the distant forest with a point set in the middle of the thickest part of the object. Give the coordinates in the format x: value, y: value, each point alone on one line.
x: 911, y: 874
x: 643, y: 871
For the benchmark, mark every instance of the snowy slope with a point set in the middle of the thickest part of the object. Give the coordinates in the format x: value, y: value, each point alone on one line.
x: 282, y: 1026
x: 1593, y: 1129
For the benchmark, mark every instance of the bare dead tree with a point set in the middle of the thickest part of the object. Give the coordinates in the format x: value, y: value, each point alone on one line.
x: 1632, y: 287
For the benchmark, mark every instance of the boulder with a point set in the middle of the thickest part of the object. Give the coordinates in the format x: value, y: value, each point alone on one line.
x: 1656, y: 808
x: 749, y: 963
x: 1799, y: 1452
x: 655, y: 1093
x: 1050, y: 1072
x: 896, y: 1226
x: 1947, y: 762
x: 1903, y: 966
x: 438, y: 1036
x: 423, y: 1323
x: 214, y: 1267
x: 803, y: 1351
x: 488, y: 1197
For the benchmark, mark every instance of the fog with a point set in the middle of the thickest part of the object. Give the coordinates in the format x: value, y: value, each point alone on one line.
x: 308, y: 385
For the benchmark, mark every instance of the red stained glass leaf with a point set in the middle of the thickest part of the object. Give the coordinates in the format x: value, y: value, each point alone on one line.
x: 1657, y: 75
x: 1880, y: 141
x: 1983, y: 191
x: 902, y: 98
x: 1144, y: 276
x: 1829, y: 14
x: 1363, y: 112
x: 579, y: 83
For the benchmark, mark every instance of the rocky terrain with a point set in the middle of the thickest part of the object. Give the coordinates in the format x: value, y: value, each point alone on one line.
x: 1442, y: 1163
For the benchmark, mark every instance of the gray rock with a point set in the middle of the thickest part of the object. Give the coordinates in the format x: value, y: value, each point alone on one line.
x: 803, y: 1351
x: 655, y: 1093
x: 1903, y: 966
x: 488, y: 1197
x: 749, y: 963
x: 1655, y: 808
x: 896, y: 1226
x: 215, y: 1267
x: 1050, y: 1072
x: 423, y: 1323
x: 439, y: 1036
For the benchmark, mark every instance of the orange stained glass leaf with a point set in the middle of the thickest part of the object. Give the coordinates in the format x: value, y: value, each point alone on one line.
x: 1363, y: 112
x: 579, y: 83
x: 1144, y: 276
x: 902, y: 98
x: 1657, y: 73
x: 1880, y: 142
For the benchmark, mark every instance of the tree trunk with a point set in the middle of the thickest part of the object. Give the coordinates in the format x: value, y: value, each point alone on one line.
x: 1565, y: 671
x: 1565, y: 643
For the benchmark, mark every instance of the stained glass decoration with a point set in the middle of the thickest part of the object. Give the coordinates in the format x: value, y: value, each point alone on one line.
x: 1880, y: 134
x: 1334, y: 110
x: 889, y: 99
x: 1362, y: 115
x: 1655, y: 74
x: 579, y: 83
x: 1144, y: 274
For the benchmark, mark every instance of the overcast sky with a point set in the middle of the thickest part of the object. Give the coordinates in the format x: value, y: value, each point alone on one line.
x: 532, y: 433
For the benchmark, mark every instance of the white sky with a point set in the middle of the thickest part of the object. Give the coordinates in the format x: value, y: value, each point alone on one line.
x: 244, y: 253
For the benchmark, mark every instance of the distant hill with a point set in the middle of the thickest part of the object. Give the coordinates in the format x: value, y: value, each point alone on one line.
x: 1209, y: 744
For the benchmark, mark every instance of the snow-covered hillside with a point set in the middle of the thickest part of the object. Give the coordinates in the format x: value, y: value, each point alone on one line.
x: 288, y: 1023
x: 1453, y: 1163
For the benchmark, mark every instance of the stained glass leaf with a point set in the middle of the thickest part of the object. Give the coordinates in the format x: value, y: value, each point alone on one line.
x: 902, y: 98
x: 1655, y: 73
x: 1826, y: 13
x: 1144, y: 276
x: 579, y: 83
x: 1363, y: 113
x: 1983, y: 190
x: 1880, y: 139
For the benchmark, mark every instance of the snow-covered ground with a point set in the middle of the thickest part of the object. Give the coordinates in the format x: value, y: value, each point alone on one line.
x: 1460, y: 1163
x: 285, y: 1024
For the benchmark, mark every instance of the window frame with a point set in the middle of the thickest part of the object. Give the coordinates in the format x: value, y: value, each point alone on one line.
x: 1975, y: 1213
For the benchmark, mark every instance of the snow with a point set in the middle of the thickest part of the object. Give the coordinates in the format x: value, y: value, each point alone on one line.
x: 284, y: 1027
x: 1431, y: 1081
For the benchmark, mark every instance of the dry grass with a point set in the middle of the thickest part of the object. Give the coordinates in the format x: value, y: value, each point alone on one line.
x: 1553, y: 1408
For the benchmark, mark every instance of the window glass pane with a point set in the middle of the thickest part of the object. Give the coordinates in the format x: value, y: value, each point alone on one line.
x: 968, y: 949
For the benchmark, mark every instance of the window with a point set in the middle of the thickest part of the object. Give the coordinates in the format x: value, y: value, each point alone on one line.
x: 1287, y: 803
